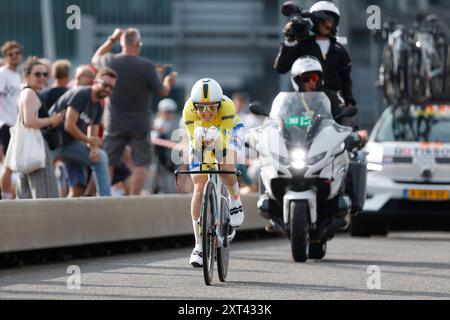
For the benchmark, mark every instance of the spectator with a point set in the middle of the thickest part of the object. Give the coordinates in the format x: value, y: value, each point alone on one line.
x: 85, y: 75
x: 242, y: 102
x: 10, y: 82
x: 48, y: 66
x: 40, y: 184
x: 61, y: 74
x: 81, y: 142
x: 185, y: 184
x: 129, y: 111
x: 164, y: 125
x: 250, y: 173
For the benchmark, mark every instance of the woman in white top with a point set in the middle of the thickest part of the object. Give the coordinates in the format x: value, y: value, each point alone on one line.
x: 40, y: 184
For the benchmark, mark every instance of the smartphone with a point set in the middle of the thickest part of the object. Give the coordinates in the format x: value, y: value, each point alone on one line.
x: 168, y: 69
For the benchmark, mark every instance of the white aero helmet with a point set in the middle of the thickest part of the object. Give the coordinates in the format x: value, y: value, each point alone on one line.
x: 167, y: 105
x: 207, y: 91
x: 329, y: 8
x: 303, y: 65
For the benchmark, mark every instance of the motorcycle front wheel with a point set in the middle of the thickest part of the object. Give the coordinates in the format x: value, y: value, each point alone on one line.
x: 299, y: 230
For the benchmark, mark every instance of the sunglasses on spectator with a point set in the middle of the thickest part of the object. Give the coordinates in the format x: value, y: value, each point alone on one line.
x: 207, y: 107
x: 16, y: 53
x: 40, y: 74
x: 310, y: 77
x: 106, y: 85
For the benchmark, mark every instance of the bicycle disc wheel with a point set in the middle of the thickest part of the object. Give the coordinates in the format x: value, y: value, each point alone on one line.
x: 223, y: 253
x: 208, y: 233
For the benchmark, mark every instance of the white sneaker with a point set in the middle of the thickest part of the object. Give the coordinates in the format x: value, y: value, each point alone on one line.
x: 196, y: 258
x: 237, y: 215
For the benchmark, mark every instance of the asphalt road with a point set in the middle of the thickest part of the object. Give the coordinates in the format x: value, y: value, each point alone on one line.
x: 412, y: 266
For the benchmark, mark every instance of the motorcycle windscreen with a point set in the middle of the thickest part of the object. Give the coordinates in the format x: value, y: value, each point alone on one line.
x: 296, y: 113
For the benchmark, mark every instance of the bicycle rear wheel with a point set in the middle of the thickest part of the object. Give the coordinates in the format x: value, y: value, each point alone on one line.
x: 223, y: 253
x: 208, y: 232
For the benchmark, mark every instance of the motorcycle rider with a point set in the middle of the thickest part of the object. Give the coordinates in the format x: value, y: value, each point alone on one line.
x: 307, y: 76
x: 323, y: 45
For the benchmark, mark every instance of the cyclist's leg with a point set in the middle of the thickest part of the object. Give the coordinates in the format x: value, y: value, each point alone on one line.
x: 231, y: 181
x: 199, y: 181
x: 199, y: 186
x: 235, y: 154
x: 229, y: 164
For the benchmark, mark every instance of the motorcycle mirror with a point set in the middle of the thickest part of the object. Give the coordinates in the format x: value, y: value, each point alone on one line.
x: 347, y: 112
x: 257, y: 109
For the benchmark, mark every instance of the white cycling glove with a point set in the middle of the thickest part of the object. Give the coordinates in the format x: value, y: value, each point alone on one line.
x: 200, y: 135
x: 212, y: 135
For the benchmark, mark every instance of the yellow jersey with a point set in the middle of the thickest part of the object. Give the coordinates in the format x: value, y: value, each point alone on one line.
x: 226, y: 119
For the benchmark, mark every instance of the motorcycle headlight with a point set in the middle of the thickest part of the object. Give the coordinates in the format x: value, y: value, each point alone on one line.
x: 298, y: 164
x: 298, y: 159
x: 298, y: 154
x: 316, y: 159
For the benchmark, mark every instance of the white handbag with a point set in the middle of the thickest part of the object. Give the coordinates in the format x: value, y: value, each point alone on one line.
x: 26, y: 151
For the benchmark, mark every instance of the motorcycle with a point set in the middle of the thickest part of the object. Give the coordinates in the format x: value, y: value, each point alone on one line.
x: 305, y: 157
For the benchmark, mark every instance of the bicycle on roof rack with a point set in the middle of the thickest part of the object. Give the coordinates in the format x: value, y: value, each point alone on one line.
x: 415, y: 64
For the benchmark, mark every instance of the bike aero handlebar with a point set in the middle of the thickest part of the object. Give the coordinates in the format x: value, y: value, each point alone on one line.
x: 237, y: 172
x: 177, y: 172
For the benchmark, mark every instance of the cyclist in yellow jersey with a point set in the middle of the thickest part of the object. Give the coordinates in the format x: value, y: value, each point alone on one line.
x: 211, y: 121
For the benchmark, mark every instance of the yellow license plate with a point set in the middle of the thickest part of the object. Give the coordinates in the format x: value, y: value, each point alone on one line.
x: 430, y: 195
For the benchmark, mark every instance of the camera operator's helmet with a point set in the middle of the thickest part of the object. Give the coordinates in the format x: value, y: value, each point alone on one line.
x: 323, y: 10
x: 207, y: 91
x: 303, y: 66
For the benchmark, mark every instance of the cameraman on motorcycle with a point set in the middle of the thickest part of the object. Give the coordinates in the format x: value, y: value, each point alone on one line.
x: 323, y: 45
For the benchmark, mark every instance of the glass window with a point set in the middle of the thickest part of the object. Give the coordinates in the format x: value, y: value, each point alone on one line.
x: 415, y: 126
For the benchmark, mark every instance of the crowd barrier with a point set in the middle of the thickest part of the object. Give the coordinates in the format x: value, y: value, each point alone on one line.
x: 48, y: 224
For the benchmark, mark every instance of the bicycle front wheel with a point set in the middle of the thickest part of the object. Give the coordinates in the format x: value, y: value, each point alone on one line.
x: 208, y: 232
x: 223, y: 253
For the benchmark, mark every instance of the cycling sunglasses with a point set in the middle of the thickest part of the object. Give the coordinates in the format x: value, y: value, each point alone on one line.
x: 207, y: 107
x: 308, y: 77
x: 40, y: 74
